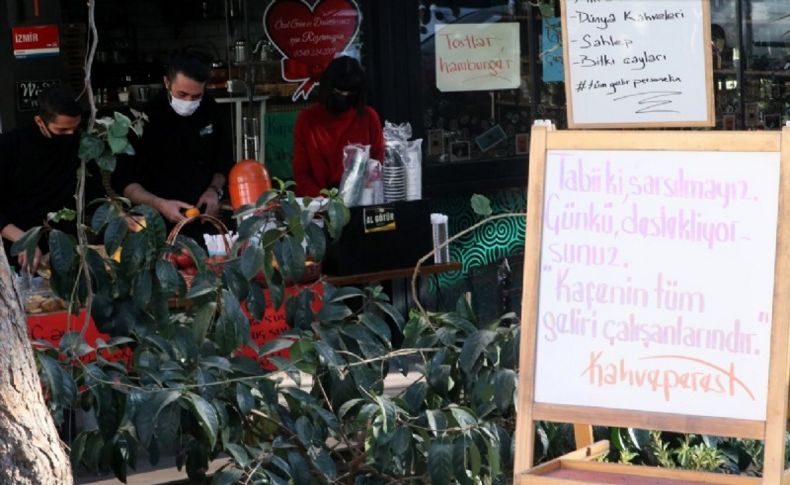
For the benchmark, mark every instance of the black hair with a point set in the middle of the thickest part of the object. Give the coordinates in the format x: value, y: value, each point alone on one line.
x: 346, y: 74
x: 58, y: 100
x: 187, y: 64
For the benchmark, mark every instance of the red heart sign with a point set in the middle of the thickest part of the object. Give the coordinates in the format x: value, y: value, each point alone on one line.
x: 310, y: 37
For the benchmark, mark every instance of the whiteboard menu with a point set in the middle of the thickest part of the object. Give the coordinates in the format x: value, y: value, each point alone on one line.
x: 637, y: 62
x: 657, y: 281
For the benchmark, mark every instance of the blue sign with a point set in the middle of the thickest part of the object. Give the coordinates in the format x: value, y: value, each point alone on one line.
x: 551, y: 50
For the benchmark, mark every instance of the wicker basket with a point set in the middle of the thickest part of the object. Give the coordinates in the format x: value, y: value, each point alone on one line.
x: 223, y: 230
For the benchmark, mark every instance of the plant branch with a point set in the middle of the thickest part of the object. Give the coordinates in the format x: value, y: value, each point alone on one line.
x: 82, y: 237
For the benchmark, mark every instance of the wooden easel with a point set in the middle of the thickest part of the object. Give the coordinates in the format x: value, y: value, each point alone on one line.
x: 577, y: 467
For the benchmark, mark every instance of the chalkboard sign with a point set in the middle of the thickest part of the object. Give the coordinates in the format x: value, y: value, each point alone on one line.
x: 635, y: 63
x: 27, y: 93
x: 656, y: 285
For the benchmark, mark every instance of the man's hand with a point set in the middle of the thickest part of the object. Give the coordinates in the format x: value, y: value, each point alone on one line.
x: 171, y: 209
x: 209, y: 199
x: 23, y: 262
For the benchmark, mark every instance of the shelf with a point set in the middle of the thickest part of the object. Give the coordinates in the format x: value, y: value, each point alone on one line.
x: 768, y: 73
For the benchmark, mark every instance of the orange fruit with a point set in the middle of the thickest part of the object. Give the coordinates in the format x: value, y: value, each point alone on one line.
x: 192, y: 212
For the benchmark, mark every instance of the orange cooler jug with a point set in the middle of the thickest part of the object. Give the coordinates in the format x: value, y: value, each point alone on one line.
x: 247, y: 181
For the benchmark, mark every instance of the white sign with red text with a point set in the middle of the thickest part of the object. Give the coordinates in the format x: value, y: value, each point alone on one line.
x: 478, y: 57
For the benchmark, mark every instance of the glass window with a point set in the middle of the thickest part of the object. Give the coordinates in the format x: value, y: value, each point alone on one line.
x: 766, y: 63
x: 474, y: 59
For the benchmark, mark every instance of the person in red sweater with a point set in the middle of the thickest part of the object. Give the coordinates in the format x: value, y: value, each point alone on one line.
x: 341, y: 117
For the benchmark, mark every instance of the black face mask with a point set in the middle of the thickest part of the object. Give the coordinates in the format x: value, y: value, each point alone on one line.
x: 66, y: 142
x: 339, y: 103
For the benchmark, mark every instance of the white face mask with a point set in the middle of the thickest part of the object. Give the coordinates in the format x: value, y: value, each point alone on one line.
x: 184, y: 107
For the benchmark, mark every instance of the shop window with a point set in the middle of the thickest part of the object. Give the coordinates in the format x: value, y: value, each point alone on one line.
x: 766, y: 64
x: 475, y: 68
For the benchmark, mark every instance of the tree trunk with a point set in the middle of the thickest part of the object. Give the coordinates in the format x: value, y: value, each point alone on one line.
x: 30, y: 450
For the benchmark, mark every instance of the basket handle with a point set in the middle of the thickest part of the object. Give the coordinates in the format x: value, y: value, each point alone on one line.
x: 223, y: 230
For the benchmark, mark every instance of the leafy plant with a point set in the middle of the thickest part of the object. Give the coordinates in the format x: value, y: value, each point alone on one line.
x: 110, y: 137
x: 187, y: 384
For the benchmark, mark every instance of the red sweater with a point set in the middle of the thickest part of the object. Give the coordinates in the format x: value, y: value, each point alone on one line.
x: 319, y: 139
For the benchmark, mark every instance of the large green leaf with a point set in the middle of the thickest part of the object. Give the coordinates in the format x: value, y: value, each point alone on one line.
x: 101, y: 216
x: 120, y: 125
x: 228, y: 476
x: 142, y: 289
x: 239, y: 454
x: 393, y: 313
x: 27, y: 243
x: 388, y: 411
x: 107, y: 161
x: 504, y: 387
x: 91, y: 147
x: 250, y: 226
x: 401, y: 440
x: 440, y: 463
x: 235, y: 281
x: 78, y: 449
x: 204, y: 317
x: 339, y: 215
x: 154, y: 223
x: 201, y: 288
x: 251, y: 261
x: 336, y: 295
x: 325, y: 464
x: 473, y: 347
x: 299, y: 310
x: 316, y: 241
x: 61, y: 251
x: 328, y: 354
x: 461, y: 460
x: 244, y: 399
x: 437, y: 421
x: 256, y: 302
x: 300, y: 469
x: 641, y: 438
x: 493, y: 451
x: 333, y: 312
x: 52, y: 376
x: 481, y: 205
x: 117, y: 145
x: 378, y: 326
x: 206, y: 416
x: 114, y: 234
x: 294, y: 223
x: 293, y: 258
x: 415, y: 396
x: 168, y: 276
x: 147, y: 413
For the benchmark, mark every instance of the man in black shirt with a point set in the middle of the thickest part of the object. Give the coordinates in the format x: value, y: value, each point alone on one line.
x: 184, y: 154
x: 38, y: 167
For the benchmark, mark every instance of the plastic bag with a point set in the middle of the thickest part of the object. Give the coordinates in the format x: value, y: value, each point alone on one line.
x: 355, y: 162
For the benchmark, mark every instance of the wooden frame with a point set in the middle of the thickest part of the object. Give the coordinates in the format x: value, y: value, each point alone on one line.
x: 711, y: 114
x: 772, y: 429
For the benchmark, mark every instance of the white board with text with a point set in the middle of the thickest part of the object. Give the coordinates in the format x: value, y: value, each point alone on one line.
x: 637, y: 62
x: 656, y: 281
x: 478, y: 57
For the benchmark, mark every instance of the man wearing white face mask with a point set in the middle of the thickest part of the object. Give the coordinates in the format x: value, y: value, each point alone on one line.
x: 184, y: 154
